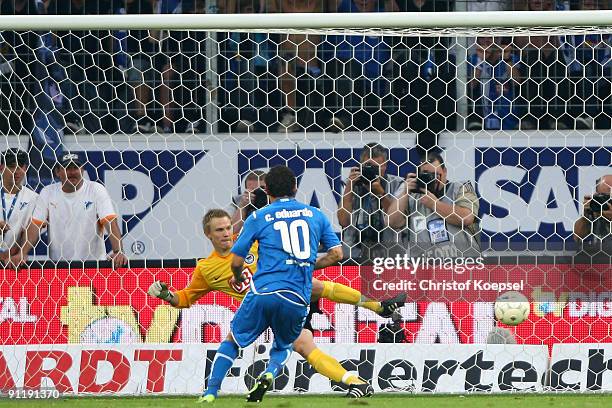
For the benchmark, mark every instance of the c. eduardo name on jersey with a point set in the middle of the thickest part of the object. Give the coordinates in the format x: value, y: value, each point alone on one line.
x: 302, y: 212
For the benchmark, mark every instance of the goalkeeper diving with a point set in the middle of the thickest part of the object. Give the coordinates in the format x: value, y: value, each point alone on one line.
x: 214, y: 273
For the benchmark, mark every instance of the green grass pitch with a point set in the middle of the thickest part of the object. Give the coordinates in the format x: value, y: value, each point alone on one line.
x: 333, y: 401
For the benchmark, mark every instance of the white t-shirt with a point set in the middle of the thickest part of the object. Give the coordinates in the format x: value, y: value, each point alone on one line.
x: 75, y: 221
x: 18, y: 218
x: 486, y: 5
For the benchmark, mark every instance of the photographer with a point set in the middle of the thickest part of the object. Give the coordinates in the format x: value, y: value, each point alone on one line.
x: 592, y: 231
x: 252, y: 198
x: 365, y: 201
x: 441, y: 215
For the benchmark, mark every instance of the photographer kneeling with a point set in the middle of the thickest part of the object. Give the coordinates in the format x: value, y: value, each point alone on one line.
x: 441, y: 216
x: 593, y: 231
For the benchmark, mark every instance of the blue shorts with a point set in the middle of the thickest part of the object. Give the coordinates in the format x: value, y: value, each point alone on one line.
x: 258, y: 312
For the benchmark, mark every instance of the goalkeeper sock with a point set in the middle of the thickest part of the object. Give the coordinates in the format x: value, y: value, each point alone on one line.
x: 331, y: 368
x: 278, y: 358
x: 340, y: 293
x: 370, y: 304
x: 224, y: 359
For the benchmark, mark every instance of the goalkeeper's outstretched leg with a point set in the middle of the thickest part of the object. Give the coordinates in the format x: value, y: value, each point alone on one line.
x: 339, y: 293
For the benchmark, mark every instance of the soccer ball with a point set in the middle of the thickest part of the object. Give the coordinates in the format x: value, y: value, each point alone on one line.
x: 512, y: 308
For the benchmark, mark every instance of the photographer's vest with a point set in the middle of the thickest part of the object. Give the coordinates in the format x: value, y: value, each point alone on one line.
x: 367, y: 236
x: 428, y: 234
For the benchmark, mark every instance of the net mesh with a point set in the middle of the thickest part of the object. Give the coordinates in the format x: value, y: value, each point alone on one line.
x: 173, y: 123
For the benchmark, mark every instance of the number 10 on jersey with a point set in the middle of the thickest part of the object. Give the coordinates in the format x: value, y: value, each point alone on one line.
x: 290, y: 237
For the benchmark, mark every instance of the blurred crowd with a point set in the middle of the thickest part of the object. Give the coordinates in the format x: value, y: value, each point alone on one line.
x: 182, y: 81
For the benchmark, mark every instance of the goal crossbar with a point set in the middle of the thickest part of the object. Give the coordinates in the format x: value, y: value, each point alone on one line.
x: 600, y: 20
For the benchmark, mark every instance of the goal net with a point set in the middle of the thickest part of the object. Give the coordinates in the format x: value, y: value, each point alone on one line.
x: 177, y: 114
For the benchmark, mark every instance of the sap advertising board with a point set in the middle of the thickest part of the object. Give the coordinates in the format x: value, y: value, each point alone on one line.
x: 530, y: 185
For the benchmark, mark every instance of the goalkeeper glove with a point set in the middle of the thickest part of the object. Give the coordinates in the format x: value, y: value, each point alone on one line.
x: 160, y: 290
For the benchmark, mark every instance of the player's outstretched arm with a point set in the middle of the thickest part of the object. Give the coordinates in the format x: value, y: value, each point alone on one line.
x: 160, y: 290
x: 183, y: 298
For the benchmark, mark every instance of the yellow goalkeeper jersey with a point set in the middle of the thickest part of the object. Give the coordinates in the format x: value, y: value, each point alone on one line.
x: 215, y: 273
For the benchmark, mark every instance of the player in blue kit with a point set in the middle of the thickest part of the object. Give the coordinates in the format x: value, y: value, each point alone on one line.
x: 289, y: 234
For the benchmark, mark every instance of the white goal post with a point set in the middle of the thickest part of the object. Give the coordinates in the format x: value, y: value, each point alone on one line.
x: 582, y: 21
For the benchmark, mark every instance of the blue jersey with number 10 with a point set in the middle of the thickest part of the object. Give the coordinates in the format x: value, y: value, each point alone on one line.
x: 289, y: 234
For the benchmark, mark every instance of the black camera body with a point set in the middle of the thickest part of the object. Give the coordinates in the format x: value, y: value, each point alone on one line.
x: 369, y: 172
x: 600, y: 202
x: 261, y: 198
x: 424, y: 180
x: 259, y: 201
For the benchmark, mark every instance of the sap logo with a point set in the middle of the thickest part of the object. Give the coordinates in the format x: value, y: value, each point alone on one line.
x: 551, y: 200
x: 139, y: 180
x: 536, y: 188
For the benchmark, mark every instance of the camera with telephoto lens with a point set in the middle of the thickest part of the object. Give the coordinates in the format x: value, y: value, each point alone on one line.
x: 424, y: 180
x: 600, y: 202
x: 369, y: 172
